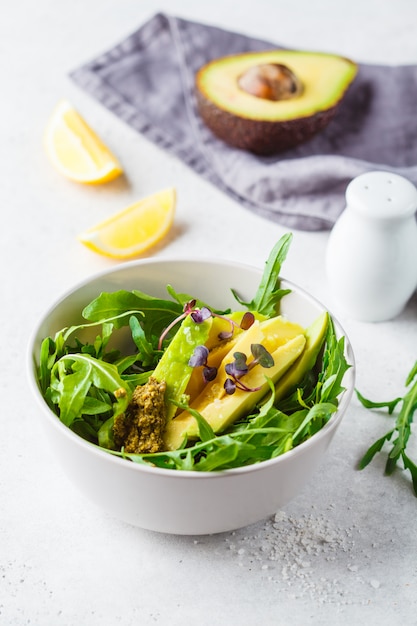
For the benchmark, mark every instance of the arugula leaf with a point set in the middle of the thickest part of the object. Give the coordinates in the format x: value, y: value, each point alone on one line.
x: 46, y: 360
x: 183, y: 298
x: 231, y: 453
x: 125, y: 362
x: 71, y: 390
x: 372, y: 451
x: 205, y: 431
x: 412, y: 468
x: 272, y: 422
x: 369, y: 404
x: 401, y: 432
x: 71, y: 379
x: 334, y: 368
x: 95, y: 406
x: 87, y: 428
x: 268, y: 296
x: 146, y: 352
x: 156, y: 314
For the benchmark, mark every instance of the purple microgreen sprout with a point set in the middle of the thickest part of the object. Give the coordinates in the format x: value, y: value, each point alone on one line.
x: 229, y: 386
x: 247, y: 320
x: 199, y: 358
x: 201, y: 315
x: 245, y: 323
x: 238, y: 368
x: 189, y: 306
x: 209, y: 373
x: 226, y: 334
x: 261, y: 356
x: 198, y: 315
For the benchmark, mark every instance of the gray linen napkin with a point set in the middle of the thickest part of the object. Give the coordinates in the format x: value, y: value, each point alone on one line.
x: 148, y: 81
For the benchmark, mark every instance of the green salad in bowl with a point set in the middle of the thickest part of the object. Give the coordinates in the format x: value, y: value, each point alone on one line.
x: 201, y: 389
x: 187, y: 377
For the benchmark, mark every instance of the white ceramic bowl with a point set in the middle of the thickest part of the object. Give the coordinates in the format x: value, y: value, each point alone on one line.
x: 170, y: 501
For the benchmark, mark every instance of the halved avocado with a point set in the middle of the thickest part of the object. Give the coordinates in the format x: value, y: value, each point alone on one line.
x: 267, y: 102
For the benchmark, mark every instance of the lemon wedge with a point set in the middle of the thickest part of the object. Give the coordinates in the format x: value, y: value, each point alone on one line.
x: 76, y: 150
x: 135, y: 229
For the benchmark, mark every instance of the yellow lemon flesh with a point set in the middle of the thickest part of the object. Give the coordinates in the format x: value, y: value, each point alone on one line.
x: 135, y: 229
x: 75, y: 149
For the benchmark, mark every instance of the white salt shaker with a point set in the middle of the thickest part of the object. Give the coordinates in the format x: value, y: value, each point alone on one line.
x: 371, y: 260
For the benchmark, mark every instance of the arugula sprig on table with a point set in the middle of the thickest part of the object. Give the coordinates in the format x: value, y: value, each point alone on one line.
x: 400, y: 433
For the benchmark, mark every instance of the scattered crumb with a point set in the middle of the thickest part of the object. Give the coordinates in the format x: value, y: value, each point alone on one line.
x: 305, y: 555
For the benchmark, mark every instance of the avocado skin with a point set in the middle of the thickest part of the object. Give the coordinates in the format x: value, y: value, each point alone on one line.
x: 261, y: 137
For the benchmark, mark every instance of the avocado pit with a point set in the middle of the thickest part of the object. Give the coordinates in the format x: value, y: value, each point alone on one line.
x: 271, y: 81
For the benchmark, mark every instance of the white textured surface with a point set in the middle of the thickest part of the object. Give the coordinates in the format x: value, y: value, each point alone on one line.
x: 344, y: 550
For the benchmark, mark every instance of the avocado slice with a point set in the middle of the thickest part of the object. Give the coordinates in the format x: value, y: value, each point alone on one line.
x: 267, y: 102
x: 315, y: 335
x: 219, y: 409
x: 173, y: 368
x: 276, y: 331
